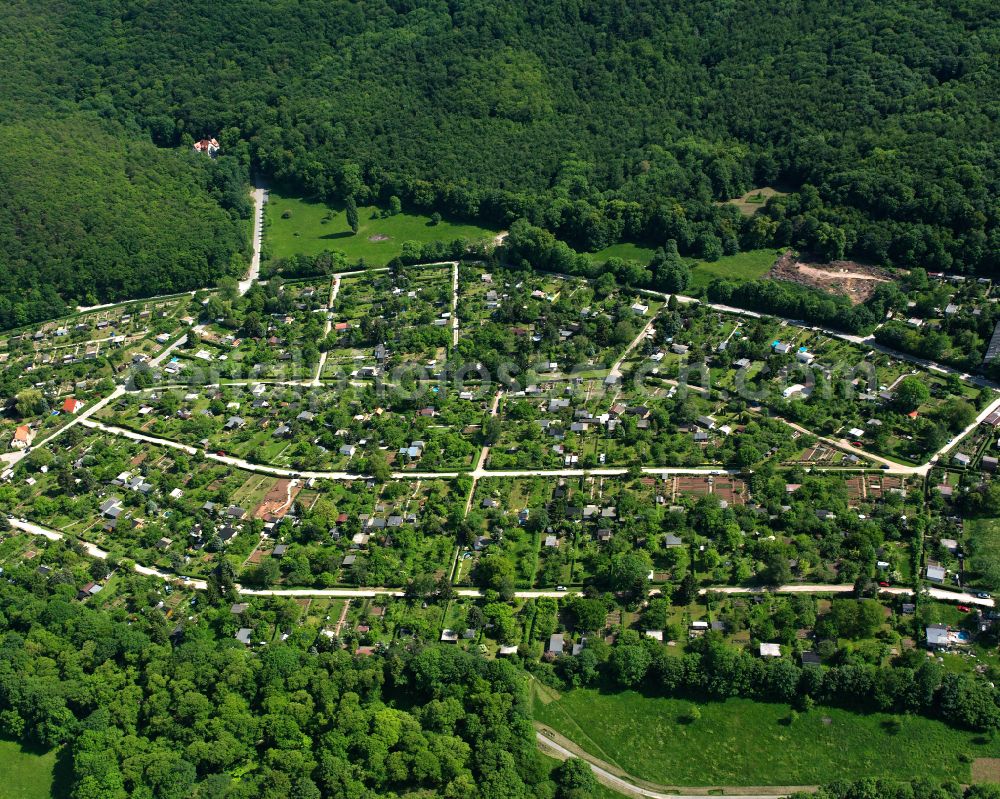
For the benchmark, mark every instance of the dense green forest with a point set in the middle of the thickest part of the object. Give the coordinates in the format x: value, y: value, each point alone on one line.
x: 595, y: 120
x: 91, y: 210
x: 887, y: 789
x: 88, y: 216
x: 147, y: 711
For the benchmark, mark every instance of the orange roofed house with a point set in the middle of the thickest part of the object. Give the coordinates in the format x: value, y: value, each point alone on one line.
x: 72, y: 405
x: 22, y: 437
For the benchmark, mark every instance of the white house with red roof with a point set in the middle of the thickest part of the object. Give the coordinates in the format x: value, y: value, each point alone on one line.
x: 22, y: 437
x: 210, y: 146
x: 72, y: 405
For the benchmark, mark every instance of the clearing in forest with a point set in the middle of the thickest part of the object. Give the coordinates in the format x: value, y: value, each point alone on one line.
x: 754, y: 199
x: 298, y: 226
x: 850, y: 279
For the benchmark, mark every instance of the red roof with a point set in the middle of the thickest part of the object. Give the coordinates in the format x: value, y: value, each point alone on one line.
x: 23, y: 433
x: 71, y: 405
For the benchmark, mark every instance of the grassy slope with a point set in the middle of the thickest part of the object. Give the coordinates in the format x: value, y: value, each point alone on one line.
x: 741, y: 742
x: 742, y: 266
x: 984, y: 544
x: 626, y: 250
x: 305, y: 232
x: 26, y: 775
x: 748, y: 265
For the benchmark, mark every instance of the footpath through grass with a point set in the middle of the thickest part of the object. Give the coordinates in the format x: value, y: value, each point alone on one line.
x: 314, y: 227
x: 26, y: 775
x: 747, y: 743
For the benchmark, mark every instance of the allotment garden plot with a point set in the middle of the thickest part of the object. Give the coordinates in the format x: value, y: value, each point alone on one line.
x: 589, y: 423
x: 314, y: 428
x: 551, y: 325
x: 381, y: 319
x: 62, y: 367
x: 832, y: 387
x: 725, y: 529
x: 181, y: 513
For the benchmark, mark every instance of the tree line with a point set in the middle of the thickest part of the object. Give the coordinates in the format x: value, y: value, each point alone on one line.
x: 712, y: 669
x: 146, y: 708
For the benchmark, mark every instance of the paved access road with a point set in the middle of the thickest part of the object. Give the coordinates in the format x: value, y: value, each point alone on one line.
x: 259, y: 198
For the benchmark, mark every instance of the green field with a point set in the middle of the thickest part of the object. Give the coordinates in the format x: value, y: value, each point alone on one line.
x: 314, y: 227
x: 746, y: 743
x: 25, y: 775
x: 626, y: 250
x: 984, y: 547
x: 748, y: 265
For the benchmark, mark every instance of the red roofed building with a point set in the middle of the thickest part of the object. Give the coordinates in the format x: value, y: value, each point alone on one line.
x: 72, y: 405
x: 22, y: 437
x: 210, y: 146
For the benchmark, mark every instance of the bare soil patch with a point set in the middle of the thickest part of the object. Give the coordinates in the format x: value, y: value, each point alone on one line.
x: 277, y: 501
x: 850, y: 279
x: 986, y: 769
x: 378, y: 237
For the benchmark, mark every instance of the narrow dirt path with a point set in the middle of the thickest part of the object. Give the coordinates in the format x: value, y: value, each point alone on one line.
x: 327, y: 327
x: 454, y: 304
x: 343, y: 617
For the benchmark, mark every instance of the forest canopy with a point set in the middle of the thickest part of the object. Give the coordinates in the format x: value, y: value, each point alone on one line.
x: 598, y: 122
x: 88, y: 217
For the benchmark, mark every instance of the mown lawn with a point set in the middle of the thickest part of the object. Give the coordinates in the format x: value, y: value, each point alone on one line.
x: 314, y: 227
x: 741, y: 742
x: 748, y: 265
x: 25, y: 775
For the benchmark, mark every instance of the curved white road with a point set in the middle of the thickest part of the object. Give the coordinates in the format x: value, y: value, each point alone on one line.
x: 963, y: 597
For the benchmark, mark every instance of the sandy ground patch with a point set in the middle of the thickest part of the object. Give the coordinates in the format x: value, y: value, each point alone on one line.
x: 849, y: 279
x: 986, y: 769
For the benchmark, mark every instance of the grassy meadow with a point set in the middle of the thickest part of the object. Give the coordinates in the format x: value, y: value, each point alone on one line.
x: 315, y: 226
x: 749, y: 265
x: 747, y: 743
x: 625, y: 250
x: 26, y: 775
